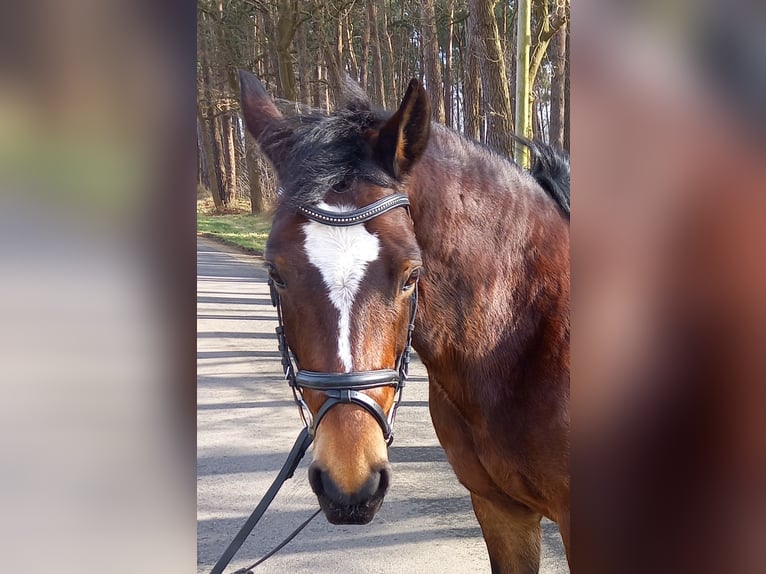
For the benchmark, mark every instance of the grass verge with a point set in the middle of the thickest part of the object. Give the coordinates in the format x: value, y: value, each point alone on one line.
x: 237, y: 226
x: 243, y: 230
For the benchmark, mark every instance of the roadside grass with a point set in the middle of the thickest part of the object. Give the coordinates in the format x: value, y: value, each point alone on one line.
x: 236, y: 227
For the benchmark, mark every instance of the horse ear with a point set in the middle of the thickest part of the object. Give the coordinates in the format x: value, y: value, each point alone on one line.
x: 258, y: 109
x: 403, y: 138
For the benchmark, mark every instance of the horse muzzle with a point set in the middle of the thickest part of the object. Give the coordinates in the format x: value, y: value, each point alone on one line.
x: 358, y: 507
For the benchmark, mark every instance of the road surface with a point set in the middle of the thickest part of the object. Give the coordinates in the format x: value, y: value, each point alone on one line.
x: 247, y: 423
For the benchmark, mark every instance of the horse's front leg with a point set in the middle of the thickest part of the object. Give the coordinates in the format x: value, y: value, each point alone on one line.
x: 512, y: 534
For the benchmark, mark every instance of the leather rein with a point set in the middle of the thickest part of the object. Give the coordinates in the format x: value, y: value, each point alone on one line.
x: 347, y: 388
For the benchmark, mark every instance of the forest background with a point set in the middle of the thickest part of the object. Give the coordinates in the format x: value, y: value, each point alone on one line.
x: 465, y: 52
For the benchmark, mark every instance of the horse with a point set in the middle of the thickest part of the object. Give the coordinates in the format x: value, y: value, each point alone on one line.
x: 392, y: 230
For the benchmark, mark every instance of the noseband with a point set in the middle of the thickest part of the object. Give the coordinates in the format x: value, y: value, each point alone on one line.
x: 346, y: 388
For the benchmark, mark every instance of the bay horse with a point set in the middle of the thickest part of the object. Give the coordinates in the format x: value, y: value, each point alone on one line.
x: 385, y: 220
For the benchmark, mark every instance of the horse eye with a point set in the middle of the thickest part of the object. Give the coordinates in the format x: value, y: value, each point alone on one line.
x: 412, y: 279
x: 340, y: 187
x: 275, y: 277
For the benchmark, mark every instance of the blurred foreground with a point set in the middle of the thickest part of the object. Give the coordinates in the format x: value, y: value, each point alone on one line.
x: 97, y: 174
x: 97, y: 292
x: 669, y: 283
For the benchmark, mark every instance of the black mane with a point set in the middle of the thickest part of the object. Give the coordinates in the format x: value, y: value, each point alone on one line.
x: 550, y: 168
x: 324, y: 153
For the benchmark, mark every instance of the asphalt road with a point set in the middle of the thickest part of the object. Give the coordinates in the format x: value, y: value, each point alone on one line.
x: 247, y: 423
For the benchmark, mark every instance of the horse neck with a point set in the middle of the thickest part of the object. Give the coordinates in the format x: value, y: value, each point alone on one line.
x: 495, y: 252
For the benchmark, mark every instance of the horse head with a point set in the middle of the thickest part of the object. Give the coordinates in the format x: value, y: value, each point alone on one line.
x: 344, y: 262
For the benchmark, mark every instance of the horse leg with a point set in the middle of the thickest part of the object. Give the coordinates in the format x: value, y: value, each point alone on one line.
x: 512, y: 534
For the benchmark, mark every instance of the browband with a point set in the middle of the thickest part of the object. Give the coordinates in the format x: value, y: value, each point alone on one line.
x: 358, y: 215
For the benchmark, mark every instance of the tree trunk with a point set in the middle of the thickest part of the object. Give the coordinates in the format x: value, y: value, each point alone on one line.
x: 496, y: 96
x: 269, y: 46
x: 304, y: 67
x: 558, y: 61
x: 546, y: 31
x: 215, y: 138
x: 202, y: 178
x: 287, y: 25
x: 379, y: 89
x: 316, y: 86
x: 226, y: 161
x: 523, y: 41
x: 432, y: 61
x: 206, y: 114
x: 457, y: 119
x: 333, y: 56
x: 348, y: 47
x: 324, y: 88
x: 231, y: 154
x: 392, y: 91
x: 471, y: 84
x: 537, y: 120
x: 363, y: 64
x: 510, y: 50
x: 448, y: 105
x: 221, y: 162
x: 207, y: 144
x: 567, y: 101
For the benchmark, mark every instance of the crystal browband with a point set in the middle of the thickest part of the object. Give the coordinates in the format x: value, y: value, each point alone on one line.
x: 356, y: 216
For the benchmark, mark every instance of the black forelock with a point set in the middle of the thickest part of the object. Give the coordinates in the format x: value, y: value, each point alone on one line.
x: 328, y: 153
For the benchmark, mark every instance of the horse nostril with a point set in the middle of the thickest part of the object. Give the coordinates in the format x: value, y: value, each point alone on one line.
x: 316, y: 479
x: 385, y: 479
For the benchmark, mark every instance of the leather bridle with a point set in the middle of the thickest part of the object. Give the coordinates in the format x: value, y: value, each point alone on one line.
x: 347, y: 388
x: 340, y: 388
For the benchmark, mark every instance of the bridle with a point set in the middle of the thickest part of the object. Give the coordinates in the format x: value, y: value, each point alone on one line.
x: 346, y: 388
x: 340, y: 388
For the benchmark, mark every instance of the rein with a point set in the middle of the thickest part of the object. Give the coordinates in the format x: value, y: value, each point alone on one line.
x: 296, y: 454
x: 340, y: 388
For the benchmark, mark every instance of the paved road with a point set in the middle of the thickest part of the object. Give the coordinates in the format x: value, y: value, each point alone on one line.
x: 247, y: 422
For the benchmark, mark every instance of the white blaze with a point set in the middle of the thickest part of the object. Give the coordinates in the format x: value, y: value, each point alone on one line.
x: 341, y: 254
